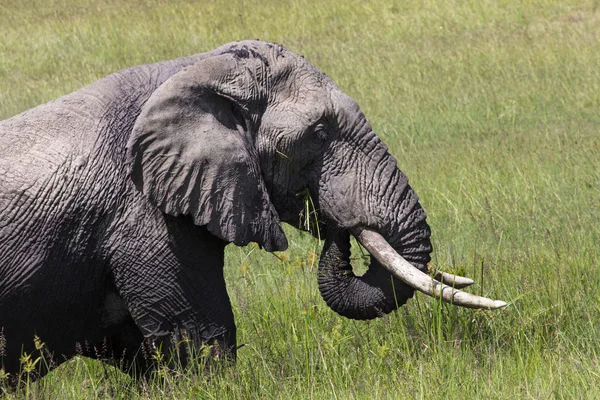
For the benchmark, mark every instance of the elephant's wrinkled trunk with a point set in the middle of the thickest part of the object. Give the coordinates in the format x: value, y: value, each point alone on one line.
x: 370, y: 197
x: 384, y: 203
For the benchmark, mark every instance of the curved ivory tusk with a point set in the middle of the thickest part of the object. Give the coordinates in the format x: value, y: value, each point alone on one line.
x: 403, y: 270
x: 456, y: 281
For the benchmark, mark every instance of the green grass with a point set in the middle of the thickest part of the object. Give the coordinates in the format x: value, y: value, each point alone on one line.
x: 492, y: 108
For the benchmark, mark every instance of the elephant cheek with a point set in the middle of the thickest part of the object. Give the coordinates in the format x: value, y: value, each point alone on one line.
x: 339, y: 202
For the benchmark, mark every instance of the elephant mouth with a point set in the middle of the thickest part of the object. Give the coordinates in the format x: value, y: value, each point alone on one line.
x: 388, y: 283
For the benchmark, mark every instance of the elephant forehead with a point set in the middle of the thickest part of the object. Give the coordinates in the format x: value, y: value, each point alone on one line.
x: 289, y: 116
x: 300, y: 103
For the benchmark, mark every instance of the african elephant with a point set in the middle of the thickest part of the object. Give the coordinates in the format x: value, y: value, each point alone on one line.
x: 117, y: 201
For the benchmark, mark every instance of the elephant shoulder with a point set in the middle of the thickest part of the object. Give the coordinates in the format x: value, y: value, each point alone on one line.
x: 38, y: 143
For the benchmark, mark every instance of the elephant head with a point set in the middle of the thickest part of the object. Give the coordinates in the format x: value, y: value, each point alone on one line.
x: 236, y: 138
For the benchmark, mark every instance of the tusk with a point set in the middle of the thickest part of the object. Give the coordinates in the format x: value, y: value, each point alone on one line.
x: 456, y: 281
x: 403, y: 270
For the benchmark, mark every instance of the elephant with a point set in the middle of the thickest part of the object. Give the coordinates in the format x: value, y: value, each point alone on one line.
x: 117, y: 202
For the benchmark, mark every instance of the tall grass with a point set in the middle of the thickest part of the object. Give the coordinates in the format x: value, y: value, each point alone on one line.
x: 492, y: 108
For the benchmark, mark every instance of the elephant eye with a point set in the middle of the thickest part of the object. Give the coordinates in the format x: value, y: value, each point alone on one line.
x: 320, y: 132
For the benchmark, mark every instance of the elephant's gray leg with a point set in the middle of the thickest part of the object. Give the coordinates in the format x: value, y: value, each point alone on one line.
x: 180, y: 323
x: 176, y: 294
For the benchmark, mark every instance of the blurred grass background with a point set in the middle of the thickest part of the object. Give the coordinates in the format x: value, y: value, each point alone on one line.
x: 492, y: 109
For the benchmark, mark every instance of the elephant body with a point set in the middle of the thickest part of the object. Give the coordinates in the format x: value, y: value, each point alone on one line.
x: 117, y: 201
x: 77, y: 240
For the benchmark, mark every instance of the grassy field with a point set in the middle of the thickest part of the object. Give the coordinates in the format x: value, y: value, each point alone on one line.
x: 492, y: 108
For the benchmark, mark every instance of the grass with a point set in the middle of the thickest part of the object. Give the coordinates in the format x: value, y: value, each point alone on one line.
x: 492, y: 108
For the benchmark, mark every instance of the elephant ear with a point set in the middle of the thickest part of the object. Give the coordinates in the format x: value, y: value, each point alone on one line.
x: 191, y: 152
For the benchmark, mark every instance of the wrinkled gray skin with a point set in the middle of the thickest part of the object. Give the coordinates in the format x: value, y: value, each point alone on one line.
x: 117, y: 201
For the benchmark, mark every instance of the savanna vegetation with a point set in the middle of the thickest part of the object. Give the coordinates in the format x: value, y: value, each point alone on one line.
x: 492, y: 108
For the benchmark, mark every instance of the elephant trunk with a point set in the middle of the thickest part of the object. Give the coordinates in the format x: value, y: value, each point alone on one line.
x: 389, y: 222
x: 401, y: 221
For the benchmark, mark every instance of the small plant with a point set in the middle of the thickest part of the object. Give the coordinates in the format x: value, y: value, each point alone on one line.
x: 4, y: 377
x: 28, y: 367
x: 309, y: 217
